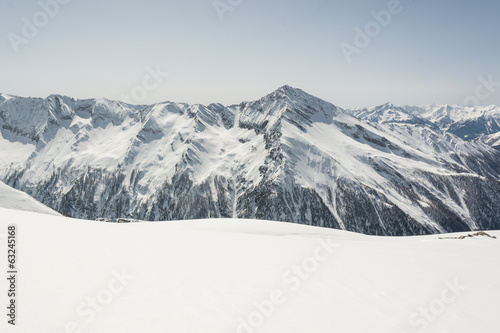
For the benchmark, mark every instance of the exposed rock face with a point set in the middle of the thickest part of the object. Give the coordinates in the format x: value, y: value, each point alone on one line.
x: 286, y: 157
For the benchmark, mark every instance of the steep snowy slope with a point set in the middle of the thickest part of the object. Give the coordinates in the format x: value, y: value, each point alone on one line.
x: 493, y: 140
x: 288, y: 157
x: 242, y: 276
x: 13, y: 199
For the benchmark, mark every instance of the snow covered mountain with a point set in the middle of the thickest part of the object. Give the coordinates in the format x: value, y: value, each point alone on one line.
x: 286, y: 157
x: 466, y: 122
x: 14, y: 199
x: 492, y: 140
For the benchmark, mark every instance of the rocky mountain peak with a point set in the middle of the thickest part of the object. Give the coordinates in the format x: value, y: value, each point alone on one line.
x: 288, y: 156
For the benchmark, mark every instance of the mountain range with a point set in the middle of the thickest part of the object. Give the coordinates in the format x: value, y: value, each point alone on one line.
x: 467, y: 122
x: 288, y: 156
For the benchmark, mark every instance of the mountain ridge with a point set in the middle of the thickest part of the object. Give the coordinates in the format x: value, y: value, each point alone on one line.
x: 467, y: 122
x: 288, y: 156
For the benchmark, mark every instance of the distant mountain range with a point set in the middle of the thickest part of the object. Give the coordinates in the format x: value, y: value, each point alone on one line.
x: 287, y: 157
x: 467, y: 122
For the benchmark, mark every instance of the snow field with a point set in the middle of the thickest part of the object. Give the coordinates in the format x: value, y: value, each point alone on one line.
x: 247, y: 276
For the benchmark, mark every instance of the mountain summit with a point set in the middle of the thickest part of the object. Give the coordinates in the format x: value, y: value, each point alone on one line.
x: 288, y: 156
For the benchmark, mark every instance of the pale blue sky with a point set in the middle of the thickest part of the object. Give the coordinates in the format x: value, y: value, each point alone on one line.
x: 432, y: 52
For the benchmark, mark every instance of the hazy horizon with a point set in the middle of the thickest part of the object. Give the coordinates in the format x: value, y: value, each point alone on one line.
x: 241, y: 101
x: 225, y: 51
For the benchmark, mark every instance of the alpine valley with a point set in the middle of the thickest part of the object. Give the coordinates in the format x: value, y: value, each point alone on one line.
x: 286, y: 157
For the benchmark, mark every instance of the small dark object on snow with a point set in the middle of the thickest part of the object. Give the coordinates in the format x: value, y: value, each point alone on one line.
x: 480, y: 233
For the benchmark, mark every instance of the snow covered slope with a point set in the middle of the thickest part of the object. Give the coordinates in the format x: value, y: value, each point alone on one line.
x: 287, y: 157
x: 13, y: 199
x: 492, y: 140
x: 243, y: 276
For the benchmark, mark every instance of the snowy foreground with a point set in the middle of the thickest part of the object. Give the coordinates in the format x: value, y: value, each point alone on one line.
x: 14, y: 199
x: 245, y: 276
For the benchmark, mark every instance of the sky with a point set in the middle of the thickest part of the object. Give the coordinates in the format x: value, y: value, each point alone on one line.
x: 355, y: 53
